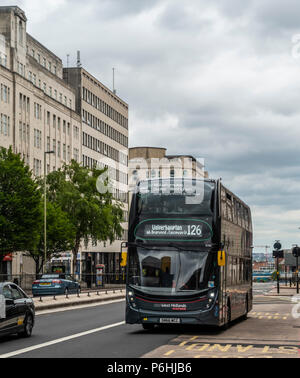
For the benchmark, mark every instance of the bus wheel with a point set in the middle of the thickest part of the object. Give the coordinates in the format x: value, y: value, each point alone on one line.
x: 148, y: 326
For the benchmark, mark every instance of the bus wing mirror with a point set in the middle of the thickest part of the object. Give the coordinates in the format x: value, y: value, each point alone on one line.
x: 221, y: 258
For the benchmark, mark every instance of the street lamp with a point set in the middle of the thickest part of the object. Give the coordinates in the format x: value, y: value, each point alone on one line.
x: 45, y: 212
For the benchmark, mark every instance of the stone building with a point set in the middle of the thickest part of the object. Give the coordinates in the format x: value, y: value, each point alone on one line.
x: 153, y: 162
x: 44, y: 107
x: 37, y: 107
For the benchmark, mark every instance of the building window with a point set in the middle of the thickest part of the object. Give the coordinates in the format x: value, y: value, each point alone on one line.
x: 20, y: 33
x: 5, y: 125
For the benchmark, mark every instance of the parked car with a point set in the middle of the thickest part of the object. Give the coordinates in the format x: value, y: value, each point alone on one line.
x: 55, y: 284
x: 17, y: 312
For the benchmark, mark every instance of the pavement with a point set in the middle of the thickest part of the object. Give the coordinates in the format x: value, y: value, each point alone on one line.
x: 283, y: 291
x: 52, y: 302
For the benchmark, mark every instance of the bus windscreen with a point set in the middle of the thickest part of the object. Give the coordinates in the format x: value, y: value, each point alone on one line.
x: 168, y: 199
x: 169, y: 271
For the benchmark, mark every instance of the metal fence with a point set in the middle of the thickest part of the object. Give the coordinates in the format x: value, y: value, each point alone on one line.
x: 87, y: 281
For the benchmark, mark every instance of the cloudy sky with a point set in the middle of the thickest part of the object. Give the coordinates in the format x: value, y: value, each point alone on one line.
x: 217, y: 79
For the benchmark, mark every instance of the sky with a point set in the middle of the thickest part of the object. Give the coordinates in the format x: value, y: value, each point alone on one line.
x: 216, y: 79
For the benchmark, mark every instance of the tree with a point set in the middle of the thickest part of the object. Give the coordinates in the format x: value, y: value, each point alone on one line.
x: 95, y: 216
x: 20, y: 204
x: 60, y: 236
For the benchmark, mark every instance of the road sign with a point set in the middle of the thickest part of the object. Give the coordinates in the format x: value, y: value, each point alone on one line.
x: 277, y: 245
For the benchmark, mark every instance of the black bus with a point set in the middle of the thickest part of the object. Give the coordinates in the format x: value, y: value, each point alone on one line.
x: 189, y: 254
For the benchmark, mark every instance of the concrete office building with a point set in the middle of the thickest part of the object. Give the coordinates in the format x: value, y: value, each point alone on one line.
x: 153, y: 162
x: 105, y: 143
x: 37, y: 108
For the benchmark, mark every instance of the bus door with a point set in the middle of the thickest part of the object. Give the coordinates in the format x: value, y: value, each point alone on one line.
x: 222, y: 292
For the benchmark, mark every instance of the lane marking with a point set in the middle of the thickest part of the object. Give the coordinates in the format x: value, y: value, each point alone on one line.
x: 169, y: 352
x: 188, y: 340
x: 48, y: 343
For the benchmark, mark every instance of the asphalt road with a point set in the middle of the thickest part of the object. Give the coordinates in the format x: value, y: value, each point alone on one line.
x: 99, y: 331
x: 120, y: 340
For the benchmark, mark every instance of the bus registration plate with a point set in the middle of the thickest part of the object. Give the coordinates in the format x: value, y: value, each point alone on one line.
x: 169, y: 320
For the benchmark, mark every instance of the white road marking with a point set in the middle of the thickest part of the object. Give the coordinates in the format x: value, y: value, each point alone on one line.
x: 39, y: 346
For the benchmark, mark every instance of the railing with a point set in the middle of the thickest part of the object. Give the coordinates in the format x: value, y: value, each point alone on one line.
x: 86, y: 281
x: 86, y: 293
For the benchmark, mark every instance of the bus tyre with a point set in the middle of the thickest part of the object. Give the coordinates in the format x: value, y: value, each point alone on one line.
x: 148, y: 326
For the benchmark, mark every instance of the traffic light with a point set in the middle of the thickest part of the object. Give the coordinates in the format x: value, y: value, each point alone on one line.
x: 278, y: 254
x: 296, y: 251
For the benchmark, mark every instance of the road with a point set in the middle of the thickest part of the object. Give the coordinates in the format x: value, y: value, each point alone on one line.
x: 99, y: 331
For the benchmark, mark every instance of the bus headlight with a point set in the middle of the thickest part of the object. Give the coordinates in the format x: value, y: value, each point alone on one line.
x: 212, y: 295
x: 131, y: 298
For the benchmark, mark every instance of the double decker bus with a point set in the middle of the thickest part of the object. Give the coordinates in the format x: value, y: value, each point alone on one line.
x: 189, y: 254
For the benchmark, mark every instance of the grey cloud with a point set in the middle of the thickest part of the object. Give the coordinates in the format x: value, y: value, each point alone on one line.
x: 210, y: 78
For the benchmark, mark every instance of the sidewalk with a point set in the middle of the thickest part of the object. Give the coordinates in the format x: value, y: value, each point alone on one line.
x: 51, y: 302
x: 283, y: 291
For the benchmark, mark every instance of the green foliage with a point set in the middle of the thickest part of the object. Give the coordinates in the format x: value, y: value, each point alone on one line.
x: 20, y: 204
x: 95, y: 216
x: 60, y: 236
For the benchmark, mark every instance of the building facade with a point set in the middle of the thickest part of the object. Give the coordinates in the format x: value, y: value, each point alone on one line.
x: 44, y: 107
x: 153, y: 162
x: 37, y: 107
x: 104, y: 119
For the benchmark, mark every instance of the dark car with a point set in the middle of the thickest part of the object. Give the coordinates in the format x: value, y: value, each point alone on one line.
x: 17, y: 310
x: 55, y: 284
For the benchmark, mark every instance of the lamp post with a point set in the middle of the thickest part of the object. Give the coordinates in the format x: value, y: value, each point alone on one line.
x: 45, y: 211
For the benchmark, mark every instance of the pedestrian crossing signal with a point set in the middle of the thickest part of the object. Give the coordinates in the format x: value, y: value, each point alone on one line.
x: 221, y: 258
x: 124, y: 259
